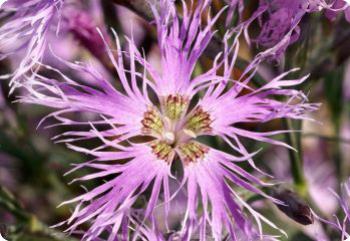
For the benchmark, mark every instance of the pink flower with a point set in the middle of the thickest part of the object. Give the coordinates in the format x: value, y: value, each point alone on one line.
x: 156, y: 116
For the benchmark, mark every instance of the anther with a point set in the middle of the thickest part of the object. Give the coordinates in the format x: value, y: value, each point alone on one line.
x: 199, y: 121
x: 175, y: 106
x: 162, y: 150
x: 152, y: 122
x: 192, y: 151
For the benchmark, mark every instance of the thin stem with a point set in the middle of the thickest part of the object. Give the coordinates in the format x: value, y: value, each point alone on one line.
x: 295, y: 157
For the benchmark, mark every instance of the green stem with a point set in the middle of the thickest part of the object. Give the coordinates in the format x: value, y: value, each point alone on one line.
x: 34, y: 225
x: 295, y: 157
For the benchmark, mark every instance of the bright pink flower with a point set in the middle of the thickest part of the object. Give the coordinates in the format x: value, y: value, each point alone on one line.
x: 157, y: 116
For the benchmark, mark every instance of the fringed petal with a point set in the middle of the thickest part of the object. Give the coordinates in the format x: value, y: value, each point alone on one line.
x: 110, y: 204
x: 182, y: 42
x: 212, y: 184
x: 28, y: 28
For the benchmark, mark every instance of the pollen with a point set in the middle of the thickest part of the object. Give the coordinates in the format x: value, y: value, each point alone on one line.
x: 152, y: 122
x: 192, y: 151
x: 199, y: 121
x: 175, y: 106
x: 162, y: 150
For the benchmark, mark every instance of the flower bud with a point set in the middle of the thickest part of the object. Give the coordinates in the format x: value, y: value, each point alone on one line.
x: 294, y: 206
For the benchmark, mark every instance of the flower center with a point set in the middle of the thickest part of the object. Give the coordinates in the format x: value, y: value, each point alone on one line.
x: 169, y: 137
x: 174, y: 130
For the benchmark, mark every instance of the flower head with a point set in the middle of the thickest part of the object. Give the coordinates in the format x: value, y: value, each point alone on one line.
x: 157, y: 116
x: 279, y: 20
x: 283, y: 17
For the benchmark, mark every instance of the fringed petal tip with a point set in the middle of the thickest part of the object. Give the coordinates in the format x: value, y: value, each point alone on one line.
x: 107, y: 205
x: 30, y: 23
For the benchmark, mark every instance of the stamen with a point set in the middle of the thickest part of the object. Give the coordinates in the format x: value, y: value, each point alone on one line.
x: 192, y: 152
x: 152, y: 122
x: 199, y: 121
x: 163, y: 150
x: 175, y: 106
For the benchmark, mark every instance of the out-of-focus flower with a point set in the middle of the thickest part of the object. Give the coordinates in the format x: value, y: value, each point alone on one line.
x: 24, y: 32
x: 132, y: 25
x: 83, y: 27
x: 155, y: 117
x: 283, y: 16
x: 339, y: 4
x: 279, y: 20
x: 79, y: 31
